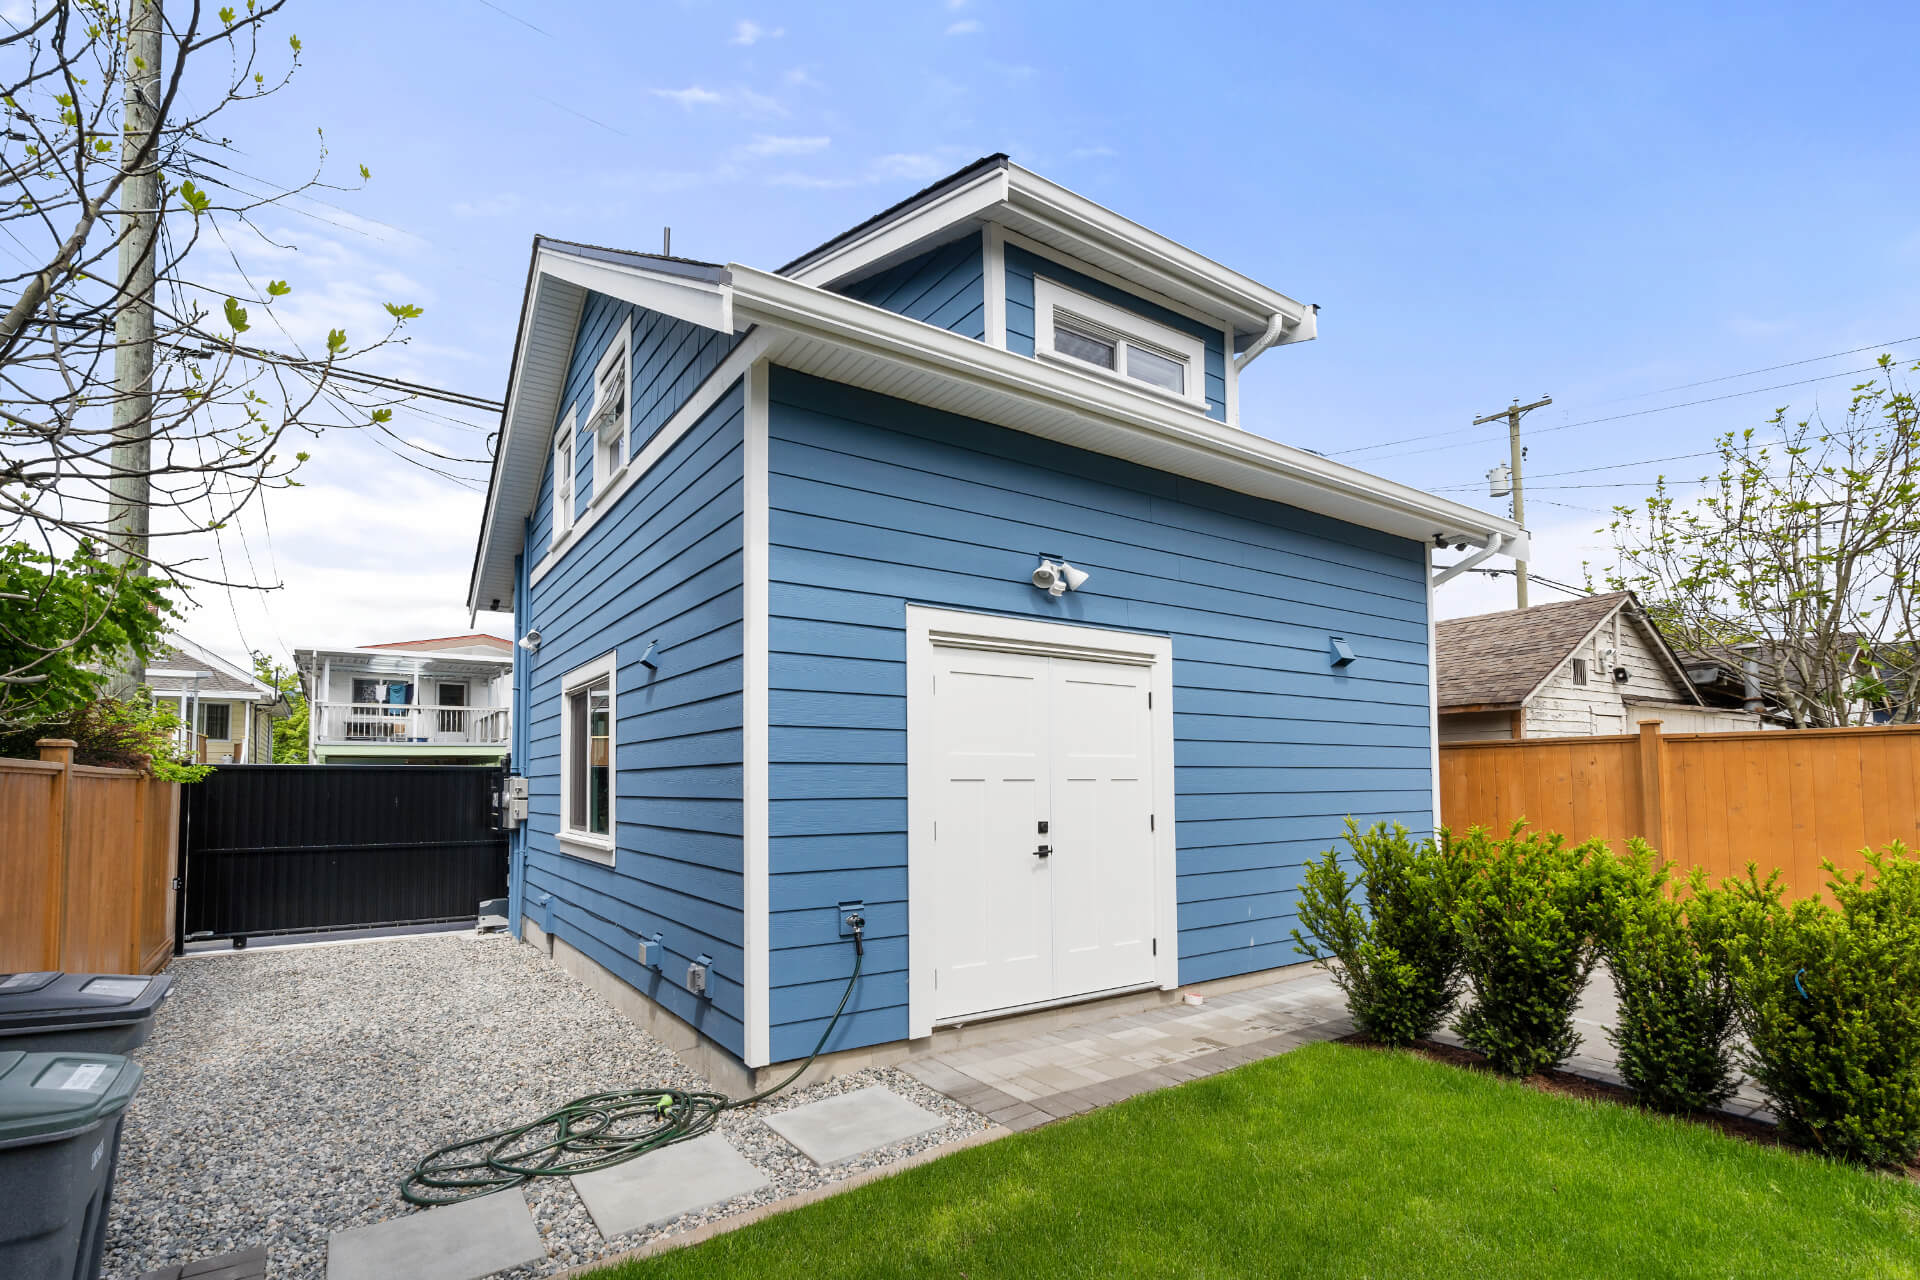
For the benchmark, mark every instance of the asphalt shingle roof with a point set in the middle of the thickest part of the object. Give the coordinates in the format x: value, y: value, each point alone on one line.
x: 1496, y: 659
x: 215, y: 681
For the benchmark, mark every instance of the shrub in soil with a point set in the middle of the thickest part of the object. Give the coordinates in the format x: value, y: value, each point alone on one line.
x: 1392, y: 949
x: 1526, y: 913
x: 1667, y: 953
x: 1829, y: 998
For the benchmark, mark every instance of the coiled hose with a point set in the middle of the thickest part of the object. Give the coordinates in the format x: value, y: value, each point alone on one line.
x: 589, y: 1133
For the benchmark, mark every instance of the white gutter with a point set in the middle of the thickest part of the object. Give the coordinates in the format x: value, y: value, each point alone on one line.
x: 1496, y: 543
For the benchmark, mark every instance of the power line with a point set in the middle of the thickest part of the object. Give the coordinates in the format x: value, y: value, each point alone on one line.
x: 1791, y: 364
x: 517, y: 18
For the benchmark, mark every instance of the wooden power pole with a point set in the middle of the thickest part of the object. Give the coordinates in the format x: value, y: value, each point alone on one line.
x: 139, y: 228
x: 1512, y: 414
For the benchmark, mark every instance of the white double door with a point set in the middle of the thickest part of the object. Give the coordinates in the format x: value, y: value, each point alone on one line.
x: 1043, y: 833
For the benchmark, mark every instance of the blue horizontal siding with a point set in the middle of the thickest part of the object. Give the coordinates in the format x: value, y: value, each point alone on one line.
x: 1022, y: 266
x: 876, y: 503
x: 945, y: 286
x: 669, y: 359
x: 661, y: 567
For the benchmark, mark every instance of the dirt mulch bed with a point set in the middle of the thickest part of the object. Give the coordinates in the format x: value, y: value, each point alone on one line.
x: 1568, y: 1085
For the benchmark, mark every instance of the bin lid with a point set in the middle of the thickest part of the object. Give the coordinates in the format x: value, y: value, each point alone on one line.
x: 46, y: 1001
x: 48, y: 1096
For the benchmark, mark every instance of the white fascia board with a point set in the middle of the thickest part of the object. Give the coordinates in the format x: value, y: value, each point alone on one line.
x: 896, y: 238
x: 557, y: 292
x: 1230, y: 295
x: 1107, y: 416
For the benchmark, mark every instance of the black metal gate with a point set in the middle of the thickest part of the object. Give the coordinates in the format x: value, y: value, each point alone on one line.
x: 292, y: 848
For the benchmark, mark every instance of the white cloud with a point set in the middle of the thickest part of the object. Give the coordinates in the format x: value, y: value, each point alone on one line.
x: 692, y: 96
x: 801, y: 78
x: 956, y: 4
x: 748, y: 32
x: 964, y: 27
x: 764, y: 144
x: 908, y: 165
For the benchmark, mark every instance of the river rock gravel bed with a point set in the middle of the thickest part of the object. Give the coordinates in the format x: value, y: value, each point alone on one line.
x: 289, y: 1090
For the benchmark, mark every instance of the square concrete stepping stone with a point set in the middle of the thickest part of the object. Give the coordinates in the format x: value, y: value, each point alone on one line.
x: 850, y: 1124
x: 661, y: 1185
x: 461, y: 1241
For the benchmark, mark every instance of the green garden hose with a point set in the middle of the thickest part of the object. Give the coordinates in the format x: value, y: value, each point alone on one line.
x: 590, y: 1133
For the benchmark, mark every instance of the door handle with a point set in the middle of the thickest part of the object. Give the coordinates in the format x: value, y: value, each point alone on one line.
x: 1043, y: 851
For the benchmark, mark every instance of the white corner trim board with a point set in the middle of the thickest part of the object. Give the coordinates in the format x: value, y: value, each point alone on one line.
x: 755, y: 943
x: 993, y: 266
x: 933, y: 636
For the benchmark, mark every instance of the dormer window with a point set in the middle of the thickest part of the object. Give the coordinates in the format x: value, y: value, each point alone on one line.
x: 1073, y: 327
x: 610, y: 418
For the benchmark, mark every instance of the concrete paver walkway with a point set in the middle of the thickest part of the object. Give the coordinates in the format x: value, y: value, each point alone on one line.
x: 454, y: 1242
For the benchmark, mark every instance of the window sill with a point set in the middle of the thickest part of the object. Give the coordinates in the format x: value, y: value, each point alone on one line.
x: 1132, y: 384
x: 591, y: 848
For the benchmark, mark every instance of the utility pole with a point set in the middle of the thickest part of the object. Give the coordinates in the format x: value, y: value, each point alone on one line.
x: 139, y: 226
x: 1512, y: 414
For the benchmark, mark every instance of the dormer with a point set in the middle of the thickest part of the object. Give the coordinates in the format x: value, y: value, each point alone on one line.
x: 1001, y: 255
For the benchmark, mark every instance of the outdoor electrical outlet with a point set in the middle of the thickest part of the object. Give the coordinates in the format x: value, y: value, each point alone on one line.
x: 652, y: 951
x: 697, y: 975
x: 850, y: 909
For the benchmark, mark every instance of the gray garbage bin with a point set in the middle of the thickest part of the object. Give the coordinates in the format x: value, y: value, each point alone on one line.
x: 93, y: 1012
x: 60, y: 1117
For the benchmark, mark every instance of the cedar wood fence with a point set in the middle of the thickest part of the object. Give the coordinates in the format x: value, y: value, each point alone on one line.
x: 87, y: 864
x: 1716, y: 800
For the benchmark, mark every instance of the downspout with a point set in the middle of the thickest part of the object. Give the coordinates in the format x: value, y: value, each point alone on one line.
x: 1496, y: 543
x: 1276, y: 333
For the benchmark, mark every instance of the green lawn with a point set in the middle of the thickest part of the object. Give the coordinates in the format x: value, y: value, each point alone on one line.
x: 1337, y: 1161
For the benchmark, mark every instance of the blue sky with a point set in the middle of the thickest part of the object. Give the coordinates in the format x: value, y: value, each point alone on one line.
x: 1487, y: 202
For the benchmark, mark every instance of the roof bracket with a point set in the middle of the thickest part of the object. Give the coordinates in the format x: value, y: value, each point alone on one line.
x: 1496, y: 543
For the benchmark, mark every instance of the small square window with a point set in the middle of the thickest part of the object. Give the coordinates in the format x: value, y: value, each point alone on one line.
x: 1579, y: 670
x: 1081, y: 345
x: 1161, y: 371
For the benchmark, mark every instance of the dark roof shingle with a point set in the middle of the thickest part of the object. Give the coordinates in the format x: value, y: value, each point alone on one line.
x: 1497, y: 659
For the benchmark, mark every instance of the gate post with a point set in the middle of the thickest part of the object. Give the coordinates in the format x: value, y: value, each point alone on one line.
x: 1653, y: 808
x: 58, y: 751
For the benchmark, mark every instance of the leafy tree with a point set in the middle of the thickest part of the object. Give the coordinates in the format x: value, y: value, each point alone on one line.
x: 1801, y: 562
x: 290, y: 732
x: 114, y: 733
x: 221, y: 418
x: 63, y: 624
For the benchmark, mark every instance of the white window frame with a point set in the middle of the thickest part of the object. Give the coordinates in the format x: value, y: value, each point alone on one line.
x: 565, y: 467
x: 1126, y: 328
x: 611, y: 446
x: 573, y: 840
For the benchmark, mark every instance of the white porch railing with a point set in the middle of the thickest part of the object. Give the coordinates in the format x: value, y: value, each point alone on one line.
x: 358, y: 722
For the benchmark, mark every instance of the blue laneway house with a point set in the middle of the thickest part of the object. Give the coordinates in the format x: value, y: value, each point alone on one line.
x: 932, y: 578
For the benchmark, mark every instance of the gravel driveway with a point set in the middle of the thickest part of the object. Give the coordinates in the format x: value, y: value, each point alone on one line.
x: 288, y: 1091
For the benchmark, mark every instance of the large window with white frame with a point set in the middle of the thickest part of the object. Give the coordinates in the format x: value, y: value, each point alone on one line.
x: 563, y: 469
x: 1076, y: 328
x: 610, y: 416
x: 587, y: 740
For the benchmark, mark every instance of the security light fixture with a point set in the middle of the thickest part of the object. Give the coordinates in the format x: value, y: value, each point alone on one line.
x: 530, y: 641
x: 1058, y: 579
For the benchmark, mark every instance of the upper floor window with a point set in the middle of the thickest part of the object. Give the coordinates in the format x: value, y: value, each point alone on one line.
x: 609, y: 418
x: 563, y: 467
x: 1070, y: 325
x: 1579, y: 670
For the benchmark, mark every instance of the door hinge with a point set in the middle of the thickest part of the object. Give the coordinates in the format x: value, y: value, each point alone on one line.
x: 1149, y: 699
x: 936, y: 979
x: 1156, y: 946
x: 1150, y: 825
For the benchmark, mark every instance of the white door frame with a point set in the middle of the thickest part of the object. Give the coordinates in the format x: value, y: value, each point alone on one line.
x: 950, y: 628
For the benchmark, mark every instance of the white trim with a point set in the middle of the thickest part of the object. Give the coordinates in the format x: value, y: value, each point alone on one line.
x: 755, y: 946
x: 1232, y: 379
x: 1132, y: 288
x: 572, y: 841
x: 619, y: 351
x: 993, y: 266
x: 870, y: 251
x: 696, y: 301
x: 709, y: 393
x: 930, y: 627
x: 566, y: 463
x: 1128, y: 329
x: 1433, y: 695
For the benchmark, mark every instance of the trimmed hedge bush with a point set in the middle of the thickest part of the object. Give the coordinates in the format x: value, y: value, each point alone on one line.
x: 1394, y: 952
x: 1830, y: 1002
x: 1667, y: 953
x: 1525, y: 914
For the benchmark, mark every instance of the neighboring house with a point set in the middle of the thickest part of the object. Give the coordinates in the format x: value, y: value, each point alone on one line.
x: 226, y: 713
x: 784, y: 648
x: 443, y: 701
x: 1570, y: 669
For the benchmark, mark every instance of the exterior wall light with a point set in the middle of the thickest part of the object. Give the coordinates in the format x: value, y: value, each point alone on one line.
x: 530, y: 642
x: 1058, y: 579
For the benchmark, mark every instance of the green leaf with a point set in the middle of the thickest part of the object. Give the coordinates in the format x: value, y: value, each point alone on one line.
x: 383, y: 416
x: 294, y: 42
x: 227, y: 15
x: 196, y: 199
x: 278, y: 288
x: 336, y: 341
x: 402, y: 310
x: 236, y: 316
x: 365, y: 173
